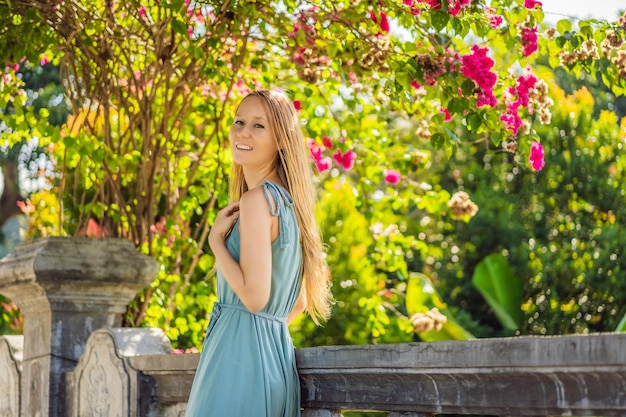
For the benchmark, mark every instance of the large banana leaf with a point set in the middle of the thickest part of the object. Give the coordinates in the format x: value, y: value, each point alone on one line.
x: 421, y: 296
x: 621, y: 327
x: 501, y: 288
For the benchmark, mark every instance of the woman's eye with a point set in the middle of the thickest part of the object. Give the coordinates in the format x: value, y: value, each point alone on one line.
x: 238, y: 122
x: 259, y: 126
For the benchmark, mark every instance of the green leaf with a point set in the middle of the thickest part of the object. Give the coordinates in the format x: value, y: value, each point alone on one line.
x: 179, y: 26
x: 205, y: 263
x: 468, y: 87
x: 564, y: 26
x: 333, y: 47
x: 421, y: 297
x: 473, y: 121
x: 621, y: 327
x: 439, y: 19
x: 496, y: 138
x: 457, y: 105
x: 438, y: 140
x: 501, y: 288
x: 554, y: 61
x: 585, y: 28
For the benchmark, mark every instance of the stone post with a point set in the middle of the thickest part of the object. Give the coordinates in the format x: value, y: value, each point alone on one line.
x: 67, y: 288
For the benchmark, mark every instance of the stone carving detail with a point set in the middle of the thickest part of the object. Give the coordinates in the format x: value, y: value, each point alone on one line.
x: 33, y: 392
x: 103, y: 382
x: 9, y: 380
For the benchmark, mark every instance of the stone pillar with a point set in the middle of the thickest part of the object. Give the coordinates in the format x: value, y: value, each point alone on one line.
x: 67, y: 288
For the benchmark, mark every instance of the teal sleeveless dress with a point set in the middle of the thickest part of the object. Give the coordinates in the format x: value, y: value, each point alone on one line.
x: 248, y: 367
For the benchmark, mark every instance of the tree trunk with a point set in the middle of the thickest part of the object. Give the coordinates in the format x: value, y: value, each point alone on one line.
x: 11, y: 194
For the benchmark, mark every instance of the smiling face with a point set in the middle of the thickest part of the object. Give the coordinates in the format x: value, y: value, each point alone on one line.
x: 251, y: 139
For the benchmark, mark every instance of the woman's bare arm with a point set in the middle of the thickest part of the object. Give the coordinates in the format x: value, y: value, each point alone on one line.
x: 251, y: 278
x: 298, y: 308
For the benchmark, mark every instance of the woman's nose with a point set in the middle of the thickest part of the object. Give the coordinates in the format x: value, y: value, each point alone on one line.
x: 244, y: 132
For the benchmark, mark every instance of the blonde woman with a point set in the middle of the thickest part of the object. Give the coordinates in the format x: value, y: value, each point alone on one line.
x: 270, y: 268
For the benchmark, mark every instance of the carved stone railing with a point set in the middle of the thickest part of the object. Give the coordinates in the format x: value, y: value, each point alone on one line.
x: 523, y: 376
x: 137, y: 368
x: 66, y: 288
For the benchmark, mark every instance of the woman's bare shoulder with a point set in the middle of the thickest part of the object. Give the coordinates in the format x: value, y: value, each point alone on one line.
x: 256, y: 200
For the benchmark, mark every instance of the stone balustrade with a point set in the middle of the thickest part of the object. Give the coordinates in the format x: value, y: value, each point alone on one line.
x: 66, y: 288
x: 74, y: 361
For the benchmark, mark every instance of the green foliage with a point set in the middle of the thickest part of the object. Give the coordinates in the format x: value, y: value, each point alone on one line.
x: 11, y: 321
x: 421, y: 296
x: 362, y: 291
x: 558, y: 230
x: 503, y: 291
x: 621, y: 327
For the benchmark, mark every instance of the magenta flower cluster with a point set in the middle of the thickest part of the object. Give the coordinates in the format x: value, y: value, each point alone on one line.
x: 536, y: 158
x: 529, y: 40
x: 392, y: 176
x: 454, y: 6
x: 518, y: 97
x: 477, y: 67
x: 323, y: 163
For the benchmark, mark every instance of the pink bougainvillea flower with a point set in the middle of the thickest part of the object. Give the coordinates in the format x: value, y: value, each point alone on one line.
x: 446, y: 114
x: 384, y: 22
x: 392, y: 176
x: 525, y: 83
x: 328, y: 142
x: 415, y: 85
x: 530, y: 4
x: 536, y: 156
x: 415, y: 11
x: 26, y: 207
x: 323, y: 164
x: 297, y: 104
x: 455, y: 6
x: 476, y: 66
x: 43, y: 60
x: 345, y: 160
x: 511, y: 120
x: 434, y: 4
x: 93, y: 229
x: 495, y: 21
x: 529, y: 40
x: 316, y: 150
x: 142, y: 11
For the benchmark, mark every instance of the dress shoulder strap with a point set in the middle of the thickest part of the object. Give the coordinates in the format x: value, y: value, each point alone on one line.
x: 279, y: 200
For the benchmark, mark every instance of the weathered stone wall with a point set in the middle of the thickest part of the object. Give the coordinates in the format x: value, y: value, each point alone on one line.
x: 66, y: 288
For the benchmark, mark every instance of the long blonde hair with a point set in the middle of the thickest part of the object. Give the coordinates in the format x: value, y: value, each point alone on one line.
x: 294, y: 168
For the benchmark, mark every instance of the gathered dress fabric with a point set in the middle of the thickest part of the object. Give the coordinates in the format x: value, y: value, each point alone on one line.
x: 247, y: 366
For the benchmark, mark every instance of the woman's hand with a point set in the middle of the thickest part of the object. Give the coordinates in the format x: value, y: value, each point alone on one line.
x: 224, y: 222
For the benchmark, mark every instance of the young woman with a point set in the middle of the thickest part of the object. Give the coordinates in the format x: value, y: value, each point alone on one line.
x: 270, y: 268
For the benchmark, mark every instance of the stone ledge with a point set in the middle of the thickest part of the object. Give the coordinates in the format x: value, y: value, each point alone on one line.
x: 525, y: 376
